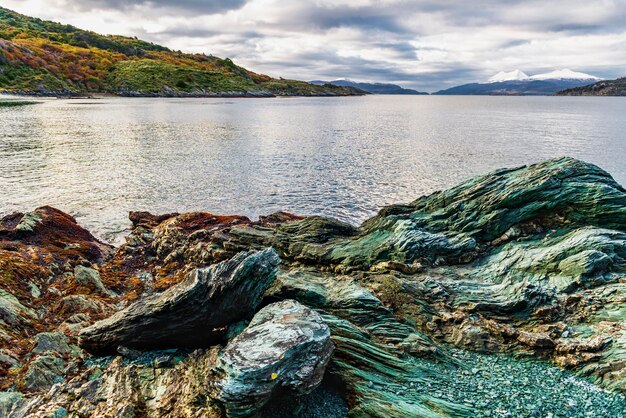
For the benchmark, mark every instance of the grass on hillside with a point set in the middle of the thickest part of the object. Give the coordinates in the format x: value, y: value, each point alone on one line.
x: 38, y: 56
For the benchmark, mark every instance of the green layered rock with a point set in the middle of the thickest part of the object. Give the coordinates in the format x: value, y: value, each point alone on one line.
x: 459, y: 223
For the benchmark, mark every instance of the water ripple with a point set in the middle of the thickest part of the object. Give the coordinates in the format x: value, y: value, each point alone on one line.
x: 341, y: 157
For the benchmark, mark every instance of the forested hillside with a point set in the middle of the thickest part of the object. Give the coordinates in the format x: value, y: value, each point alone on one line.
x: 43, y: 57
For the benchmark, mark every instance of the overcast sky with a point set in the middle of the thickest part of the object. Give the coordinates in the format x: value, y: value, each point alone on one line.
x: 428, y: 45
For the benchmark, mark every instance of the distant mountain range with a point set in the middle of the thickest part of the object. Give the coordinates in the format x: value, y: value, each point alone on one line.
x: 373, y: 88
x: 48, y: 58
x: 601, y: 88
x: 519, y: 83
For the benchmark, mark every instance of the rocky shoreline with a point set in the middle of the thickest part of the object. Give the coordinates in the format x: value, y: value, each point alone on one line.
x: 252, y: 94
x: 603, y: 88
x: 205, y: 315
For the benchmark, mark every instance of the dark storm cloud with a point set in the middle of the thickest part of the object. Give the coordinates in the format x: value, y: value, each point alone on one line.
x: 369, y: 18
x: 581, y: 28
x: 190, y: 6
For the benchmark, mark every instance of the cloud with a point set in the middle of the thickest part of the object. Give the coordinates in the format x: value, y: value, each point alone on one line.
x: 188, y: 6
x: 327, y: 17
x: 422, y: 44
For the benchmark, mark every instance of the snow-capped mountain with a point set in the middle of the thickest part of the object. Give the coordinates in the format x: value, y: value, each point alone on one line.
x: 517, y: 82
x: 506, y: 76
x: 564, y: 74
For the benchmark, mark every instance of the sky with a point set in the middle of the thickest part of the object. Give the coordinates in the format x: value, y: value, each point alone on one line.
x: 423, y: 44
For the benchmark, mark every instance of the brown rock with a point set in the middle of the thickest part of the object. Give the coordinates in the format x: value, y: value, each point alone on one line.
x: 53, y: 230
x: 535, y: 339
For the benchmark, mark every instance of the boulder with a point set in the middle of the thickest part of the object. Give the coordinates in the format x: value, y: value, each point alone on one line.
x: 455, y: 224
x: 194, y: 237
x: 43, y: 372
x: 51, y: 342
x: 90, y: 278
x: 192, y: 313
x: 286, y: 347
x: 54, y: 231
x: 12, y: 311
x: 485, y: 207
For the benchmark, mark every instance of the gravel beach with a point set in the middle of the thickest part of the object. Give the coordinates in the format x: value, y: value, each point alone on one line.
x: 496, y: 386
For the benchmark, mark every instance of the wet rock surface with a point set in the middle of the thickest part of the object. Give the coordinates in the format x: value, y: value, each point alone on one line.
x: 527, y: 263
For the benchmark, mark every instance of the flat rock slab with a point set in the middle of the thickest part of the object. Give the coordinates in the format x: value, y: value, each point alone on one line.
x: 191, y: 313
x: 286, y: 347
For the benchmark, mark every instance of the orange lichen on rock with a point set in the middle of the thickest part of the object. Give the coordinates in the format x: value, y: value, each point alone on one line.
x: 38, y: 253
x: 164, y: 283
x: 56, y: 231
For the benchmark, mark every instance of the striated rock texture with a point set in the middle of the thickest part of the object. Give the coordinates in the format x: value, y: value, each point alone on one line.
x: 528, y: 261
x: 462, y: 223
x: 286, y: 347
x: 192, y: 313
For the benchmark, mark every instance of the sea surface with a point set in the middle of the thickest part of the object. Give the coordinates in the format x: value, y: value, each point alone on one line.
x: 343, y: 157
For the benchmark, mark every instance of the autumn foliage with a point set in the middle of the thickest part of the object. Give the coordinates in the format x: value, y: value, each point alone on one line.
x: 38, y: 56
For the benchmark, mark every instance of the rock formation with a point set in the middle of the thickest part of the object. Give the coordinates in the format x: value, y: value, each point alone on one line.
x: 192, y: 313
x: 528, y: 261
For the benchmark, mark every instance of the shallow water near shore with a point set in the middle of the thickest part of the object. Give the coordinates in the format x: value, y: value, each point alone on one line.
x: 343, y: 157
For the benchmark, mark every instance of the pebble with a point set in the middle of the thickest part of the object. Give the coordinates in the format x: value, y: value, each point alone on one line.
x: 500, y: 386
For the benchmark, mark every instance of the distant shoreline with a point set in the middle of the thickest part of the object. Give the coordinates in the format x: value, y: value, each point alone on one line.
x: 99, y: 95
x: 233, y: 95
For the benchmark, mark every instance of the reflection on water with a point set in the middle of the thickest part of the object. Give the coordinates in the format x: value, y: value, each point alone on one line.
x: 344, y: 157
